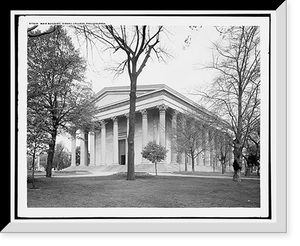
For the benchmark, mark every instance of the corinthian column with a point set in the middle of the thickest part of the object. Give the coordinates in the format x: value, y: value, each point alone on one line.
x: 162, y: 124
x: 174, y: 139
x: 144, y: 131
x: 92, y: 148
x: 73, y: 150
x: 115, y: 141
x: 144, y: 127
x: 84, y: 148
x: 206, y: 148
x: 126, y: 142
x: 103, y: 142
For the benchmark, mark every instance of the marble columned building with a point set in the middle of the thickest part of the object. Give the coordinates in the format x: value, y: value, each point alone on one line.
x: 157, y: 110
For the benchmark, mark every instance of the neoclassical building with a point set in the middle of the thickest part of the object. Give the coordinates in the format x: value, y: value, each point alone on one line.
x: 157, y: 109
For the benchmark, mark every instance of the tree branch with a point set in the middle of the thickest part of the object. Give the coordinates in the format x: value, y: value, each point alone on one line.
x: 35, y: 35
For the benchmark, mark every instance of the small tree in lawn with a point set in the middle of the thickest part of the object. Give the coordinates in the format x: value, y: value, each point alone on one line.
x: 155, y: 153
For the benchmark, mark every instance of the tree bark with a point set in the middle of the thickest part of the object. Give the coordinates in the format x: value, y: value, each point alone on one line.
x: 237, y: 175
x: 132, y: 106
x: 238, y: 158
x: 155, y: 168
x: 238, y: 151
x: 32, y: 176
x: 193, y: 161
x: 185, y: 163
x: 238, y: 148
x: 223, y: 168
x: 247, y: 171
x: 51, y: 154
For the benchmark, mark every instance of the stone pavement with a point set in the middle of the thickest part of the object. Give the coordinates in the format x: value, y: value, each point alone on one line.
x: 143, y: 168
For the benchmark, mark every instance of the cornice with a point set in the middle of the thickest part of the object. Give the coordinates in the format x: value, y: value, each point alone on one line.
x: 161, y: 90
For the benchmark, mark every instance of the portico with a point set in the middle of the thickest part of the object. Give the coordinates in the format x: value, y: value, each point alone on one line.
x: 157, y: 110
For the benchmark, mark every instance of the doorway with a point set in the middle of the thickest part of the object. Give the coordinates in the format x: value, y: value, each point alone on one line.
x: 122, y: 151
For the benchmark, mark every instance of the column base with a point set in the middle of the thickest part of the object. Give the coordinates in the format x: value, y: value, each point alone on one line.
x: 144, y: 161
x: 162, y: 162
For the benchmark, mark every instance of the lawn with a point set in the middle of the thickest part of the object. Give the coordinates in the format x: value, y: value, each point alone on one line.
x: 252, y: 175
x: 145, y: 191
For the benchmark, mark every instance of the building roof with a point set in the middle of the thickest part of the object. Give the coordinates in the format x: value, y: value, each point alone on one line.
x: 115, y: 100
x: 119, y: 93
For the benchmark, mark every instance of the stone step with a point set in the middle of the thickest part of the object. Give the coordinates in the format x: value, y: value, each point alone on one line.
x: 142, y: 168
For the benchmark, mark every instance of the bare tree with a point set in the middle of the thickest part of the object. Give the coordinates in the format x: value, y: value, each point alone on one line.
x: 252, y: 149
x: 190, y: 136
x: 136, y: 44
x: 222, y: 148
x: 234, y: 94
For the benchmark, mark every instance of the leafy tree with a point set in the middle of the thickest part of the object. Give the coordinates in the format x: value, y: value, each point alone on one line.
x: 38, y: 34
x: 155, y: 153
x: 36, y: 139
x: 57, y: 92
x: 136, y: 44
x: 61, y: 157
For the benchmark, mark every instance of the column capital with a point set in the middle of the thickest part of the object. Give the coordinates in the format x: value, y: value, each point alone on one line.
x: 162, y: 107
x: 102, y: 123
x: 175, y: 112
x: 115, y: 118
x: 143, y: 111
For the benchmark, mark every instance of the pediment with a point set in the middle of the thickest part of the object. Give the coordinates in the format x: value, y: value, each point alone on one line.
x: 110, y: 98
x: 112, y: 95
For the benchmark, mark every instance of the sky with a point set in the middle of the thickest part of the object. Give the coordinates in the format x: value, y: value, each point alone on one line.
x: 182, y: 71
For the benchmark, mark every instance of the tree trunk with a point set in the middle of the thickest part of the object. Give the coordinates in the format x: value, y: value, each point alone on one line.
x: 237, y: 175
x: 185, y: 163
x: 32, y: 176
x: 223, y: 168
x: 193, y: 162
x: 155, y: 167
x: 50, y: 160
x: 238, y: 157
x: 51, y: 155
x: 132, y: 95
x: 238, y: 149
x: 247, y: 170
